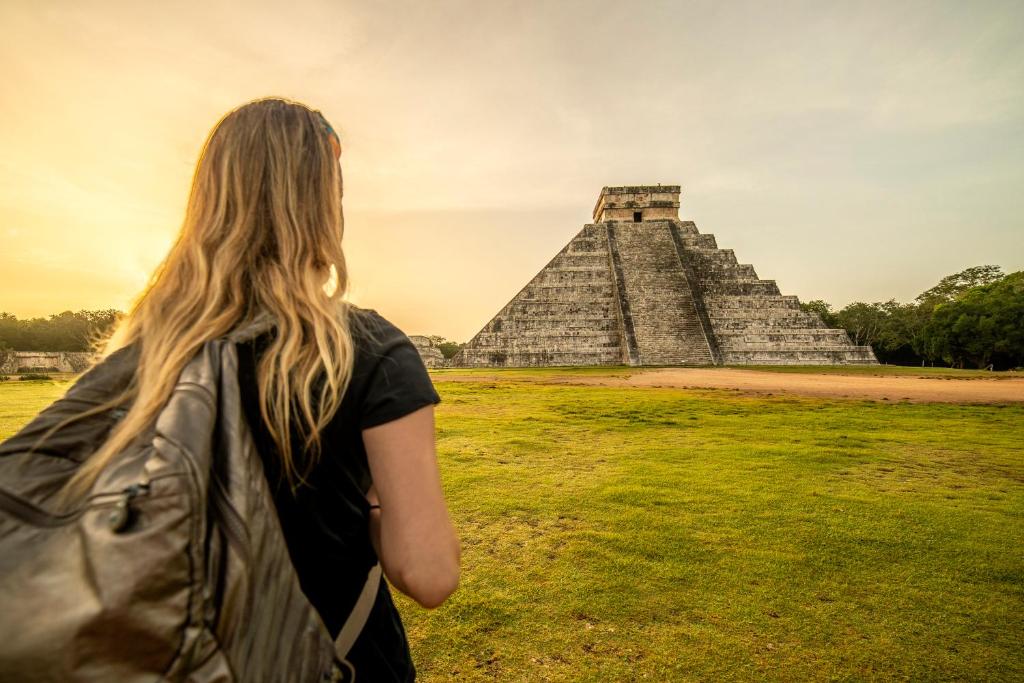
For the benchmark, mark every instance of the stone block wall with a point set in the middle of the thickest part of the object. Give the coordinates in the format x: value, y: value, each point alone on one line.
x: 47, y: 361
x: 624, y: 202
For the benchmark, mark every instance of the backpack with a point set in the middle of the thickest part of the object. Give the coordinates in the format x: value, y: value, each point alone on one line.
x: 175, y: 566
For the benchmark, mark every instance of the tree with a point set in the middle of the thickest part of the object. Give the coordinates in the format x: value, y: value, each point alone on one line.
x: 900, y: 326
x: 6, y: 353
x: 449, y: 348
x: 864, y: 322
x: 65, y: 331
x: 823, y: 311
x: 952, y: 286
x: 949, y: 289
x: 983, y: 325
x: 903, y: 343
x: 905, y: 333
x: 889, y: 327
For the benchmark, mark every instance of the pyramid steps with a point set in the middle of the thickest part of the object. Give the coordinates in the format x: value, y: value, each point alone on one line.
x: 839, y: 355
x: 566, y: 315
x: 754, y: 323
x: 797, y: 337
x: 726, y: 325
x: 665, y: 322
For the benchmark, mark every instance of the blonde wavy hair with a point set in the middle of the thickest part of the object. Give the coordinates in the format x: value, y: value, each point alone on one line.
x: 261, y: 235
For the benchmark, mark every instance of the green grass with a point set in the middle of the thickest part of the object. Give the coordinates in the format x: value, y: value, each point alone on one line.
x: 620, y: 534
x: 623, y: 534
x: 20, y: 400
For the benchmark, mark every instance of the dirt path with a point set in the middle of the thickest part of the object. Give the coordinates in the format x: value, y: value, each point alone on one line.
x: 895, y: 388
x: 830, y: 386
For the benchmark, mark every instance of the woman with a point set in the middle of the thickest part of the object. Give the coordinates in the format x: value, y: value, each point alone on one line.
x: 338, y: 400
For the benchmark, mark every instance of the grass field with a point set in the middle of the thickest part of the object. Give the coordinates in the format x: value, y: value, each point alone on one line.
x: 623, y: 533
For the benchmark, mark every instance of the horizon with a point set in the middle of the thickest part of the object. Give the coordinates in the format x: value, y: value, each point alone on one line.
x: 850, y: 154
x: 462, y: 341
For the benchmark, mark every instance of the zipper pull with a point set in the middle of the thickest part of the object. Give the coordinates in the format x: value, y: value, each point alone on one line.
x: 121, y: 516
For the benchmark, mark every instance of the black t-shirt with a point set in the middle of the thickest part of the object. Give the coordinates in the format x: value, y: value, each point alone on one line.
x: 325, y: 520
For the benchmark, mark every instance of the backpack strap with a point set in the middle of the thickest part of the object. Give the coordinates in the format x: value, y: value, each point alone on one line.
x: 360, y: 613
x: 259, y: 324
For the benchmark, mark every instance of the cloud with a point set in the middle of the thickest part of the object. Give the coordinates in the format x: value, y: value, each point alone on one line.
x: 797, y: 130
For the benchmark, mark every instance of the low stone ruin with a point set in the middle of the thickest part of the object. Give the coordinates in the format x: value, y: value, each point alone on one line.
x: 431, y: 355
x: 45, y: 361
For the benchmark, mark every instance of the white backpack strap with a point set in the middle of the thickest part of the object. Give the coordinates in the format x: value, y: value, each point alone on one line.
x: 360, y: 613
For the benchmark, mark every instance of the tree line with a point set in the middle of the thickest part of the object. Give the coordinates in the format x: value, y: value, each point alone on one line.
x: 67, y: 331
x: 971, y: 319
x: 974, y: 318
x: 75, y: 331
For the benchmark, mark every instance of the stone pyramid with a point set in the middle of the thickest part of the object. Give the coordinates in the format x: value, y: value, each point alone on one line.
x: 638, y: 286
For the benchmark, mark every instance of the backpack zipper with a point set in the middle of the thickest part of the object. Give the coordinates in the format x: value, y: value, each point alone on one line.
x: 118, y: 520
x: 121, y: 516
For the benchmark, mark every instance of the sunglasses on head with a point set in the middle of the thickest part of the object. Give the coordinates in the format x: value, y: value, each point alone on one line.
x: 332, y: 135
x: 330, y: 129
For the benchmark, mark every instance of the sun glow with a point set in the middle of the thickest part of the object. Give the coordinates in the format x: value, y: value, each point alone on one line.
x: 477, y: 136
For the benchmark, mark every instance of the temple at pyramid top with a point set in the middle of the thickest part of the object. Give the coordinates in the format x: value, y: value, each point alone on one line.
x: 637, y: 203
x: 638, y: 286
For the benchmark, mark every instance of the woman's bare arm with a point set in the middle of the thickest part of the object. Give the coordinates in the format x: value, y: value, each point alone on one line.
x: 411, y: 531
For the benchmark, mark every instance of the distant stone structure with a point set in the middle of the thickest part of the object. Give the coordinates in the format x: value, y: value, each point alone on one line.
x: 638, y: 286
x: 46, y: 361
x: 431, y: 355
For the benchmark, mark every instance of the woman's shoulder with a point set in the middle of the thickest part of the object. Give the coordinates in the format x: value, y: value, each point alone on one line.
x: 374, y: 333
x: 373, y: 336
x: 388, y: 374
x: 370, y: 318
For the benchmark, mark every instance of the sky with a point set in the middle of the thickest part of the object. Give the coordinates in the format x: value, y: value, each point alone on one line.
x: 851, y: 151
